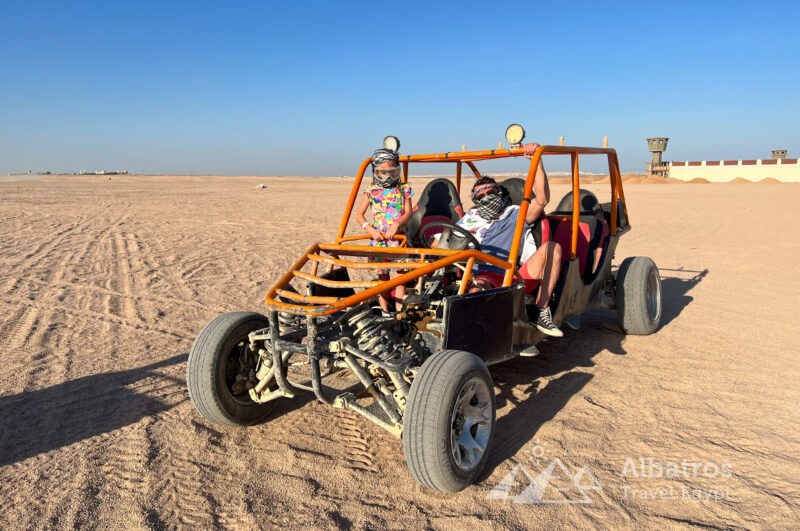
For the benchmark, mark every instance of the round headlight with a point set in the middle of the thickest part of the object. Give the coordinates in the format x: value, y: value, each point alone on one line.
x: 392, y: 142
x: 515, y: 134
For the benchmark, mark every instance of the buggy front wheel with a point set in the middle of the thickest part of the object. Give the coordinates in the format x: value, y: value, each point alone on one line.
x: 219, y: 357
x: 449, y: 421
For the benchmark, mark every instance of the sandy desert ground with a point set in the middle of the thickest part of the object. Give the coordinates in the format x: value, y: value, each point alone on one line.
x: 106, y: 282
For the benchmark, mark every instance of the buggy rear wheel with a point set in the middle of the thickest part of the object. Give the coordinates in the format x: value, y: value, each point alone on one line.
x: 638, y: 295
x: 219, y: 357
x: 449, y: 421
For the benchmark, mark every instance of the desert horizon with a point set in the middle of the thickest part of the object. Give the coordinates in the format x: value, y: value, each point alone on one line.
x: 555, y: 177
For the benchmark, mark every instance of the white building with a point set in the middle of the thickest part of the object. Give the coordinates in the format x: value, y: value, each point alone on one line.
x: 719, y: 171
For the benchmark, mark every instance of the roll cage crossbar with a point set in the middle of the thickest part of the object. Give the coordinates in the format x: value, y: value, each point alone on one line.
x: 414, y: 263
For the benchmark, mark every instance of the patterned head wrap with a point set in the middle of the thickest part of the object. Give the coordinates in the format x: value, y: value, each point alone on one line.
x: 491, y: 200
x: 385, y: 155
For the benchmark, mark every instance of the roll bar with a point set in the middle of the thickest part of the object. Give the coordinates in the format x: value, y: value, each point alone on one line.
x: 417, y: 262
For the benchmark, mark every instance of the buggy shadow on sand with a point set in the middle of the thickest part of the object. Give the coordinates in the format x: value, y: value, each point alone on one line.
x: 422, y: 372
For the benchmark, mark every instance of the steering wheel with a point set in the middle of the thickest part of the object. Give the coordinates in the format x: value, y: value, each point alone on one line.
x: 451, y: 237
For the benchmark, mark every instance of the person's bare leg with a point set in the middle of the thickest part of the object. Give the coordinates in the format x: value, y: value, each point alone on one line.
x: 383, y: 298
x: 399, y: 293
x: 549, y: 273
x: 545, y: 265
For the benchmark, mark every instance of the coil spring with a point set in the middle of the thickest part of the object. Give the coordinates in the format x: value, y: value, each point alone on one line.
x: 373, y: 334
x: 288, y: 322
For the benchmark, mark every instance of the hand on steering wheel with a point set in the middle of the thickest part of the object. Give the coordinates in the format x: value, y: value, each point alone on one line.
x: 446, y: 236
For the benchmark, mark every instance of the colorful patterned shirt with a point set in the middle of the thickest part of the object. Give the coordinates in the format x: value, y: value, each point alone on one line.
x: 387, y: 208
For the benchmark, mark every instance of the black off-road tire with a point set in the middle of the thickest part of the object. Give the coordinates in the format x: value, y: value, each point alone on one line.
x: 209, y: 391
x: 638, y: 294
x: 428, y: 424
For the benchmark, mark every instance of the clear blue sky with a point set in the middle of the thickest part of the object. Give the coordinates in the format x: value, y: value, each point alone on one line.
x: 312, y: 87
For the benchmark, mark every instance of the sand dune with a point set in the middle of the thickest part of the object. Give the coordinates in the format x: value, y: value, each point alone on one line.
x: 106, y: 283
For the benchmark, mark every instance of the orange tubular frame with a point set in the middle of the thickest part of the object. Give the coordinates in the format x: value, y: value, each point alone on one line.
x: 417, y: 262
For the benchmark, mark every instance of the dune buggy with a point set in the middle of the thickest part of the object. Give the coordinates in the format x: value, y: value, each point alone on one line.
x: 421, y: 374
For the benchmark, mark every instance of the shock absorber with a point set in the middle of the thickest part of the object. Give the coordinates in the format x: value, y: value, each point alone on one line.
x: 288, y: 322
x: 373, y: 334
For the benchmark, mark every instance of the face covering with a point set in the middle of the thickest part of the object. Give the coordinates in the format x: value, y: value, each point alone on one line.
x: 491, y: 200
x: 491, y: 206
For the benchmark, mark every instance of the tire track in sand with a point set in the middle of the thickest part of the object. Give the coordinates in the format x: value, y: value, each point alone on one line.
x: 130, y: 310
x: 179, y: 494
x: 36, y: 495
x: 358, y: 454
x: 45, y: 247
x: 46, y: 354
x: 22, y: 327
x: 140, y: 272
x: 94, y: 255
x: 99, y: 316
x: 153, y: 250
x: 113, y: 466
x: 138, y: 256
x: 124, y: 457
x: 59, y: 343
x: 30, y: 342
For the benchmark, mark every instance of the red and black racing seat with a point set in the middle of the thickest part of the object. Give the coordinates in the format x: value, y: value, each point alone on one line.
x: 593, y: 231
x: 439, y: 201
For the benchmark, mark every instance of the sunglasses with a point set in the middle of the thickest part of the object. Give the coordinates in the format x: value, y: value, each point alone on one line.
x: 484, y: 190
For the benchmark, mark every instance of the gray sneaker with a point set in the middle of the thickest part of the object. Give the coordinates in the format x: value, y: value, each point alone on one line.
x: 546, y: 325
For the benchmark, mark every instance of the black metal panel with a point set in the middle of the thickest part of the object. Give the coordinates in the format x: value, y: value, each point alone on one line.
x: 481, y: 323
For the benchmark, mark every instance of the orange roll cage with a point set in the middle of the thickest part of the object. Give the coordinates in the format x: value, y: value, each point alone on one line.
x: 414, y: 263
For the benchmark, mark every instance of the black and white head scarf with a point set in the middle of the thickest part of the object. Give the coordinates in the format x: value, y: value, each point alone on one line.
x: 491, y: 200
x: 379, y: 157
x: 384, y: 155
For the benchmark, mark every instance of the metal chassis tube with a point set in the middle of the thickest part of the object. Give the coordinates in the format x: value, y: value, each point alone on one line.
x: 394, y: 371
x: 313, y: 358
x: 344, y: 400
x: 275, y: 346
x: 369, y: 384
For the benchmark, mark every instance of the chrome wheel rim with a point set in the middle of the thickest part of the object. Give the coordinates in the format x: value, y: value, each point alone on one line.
x: 654, y: 296
x: 471, y: 424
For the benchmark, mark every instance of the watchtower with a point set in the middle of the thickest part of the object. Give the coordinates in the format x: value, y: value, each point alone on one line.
x: 657, y: 146
x: 779, y: 154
